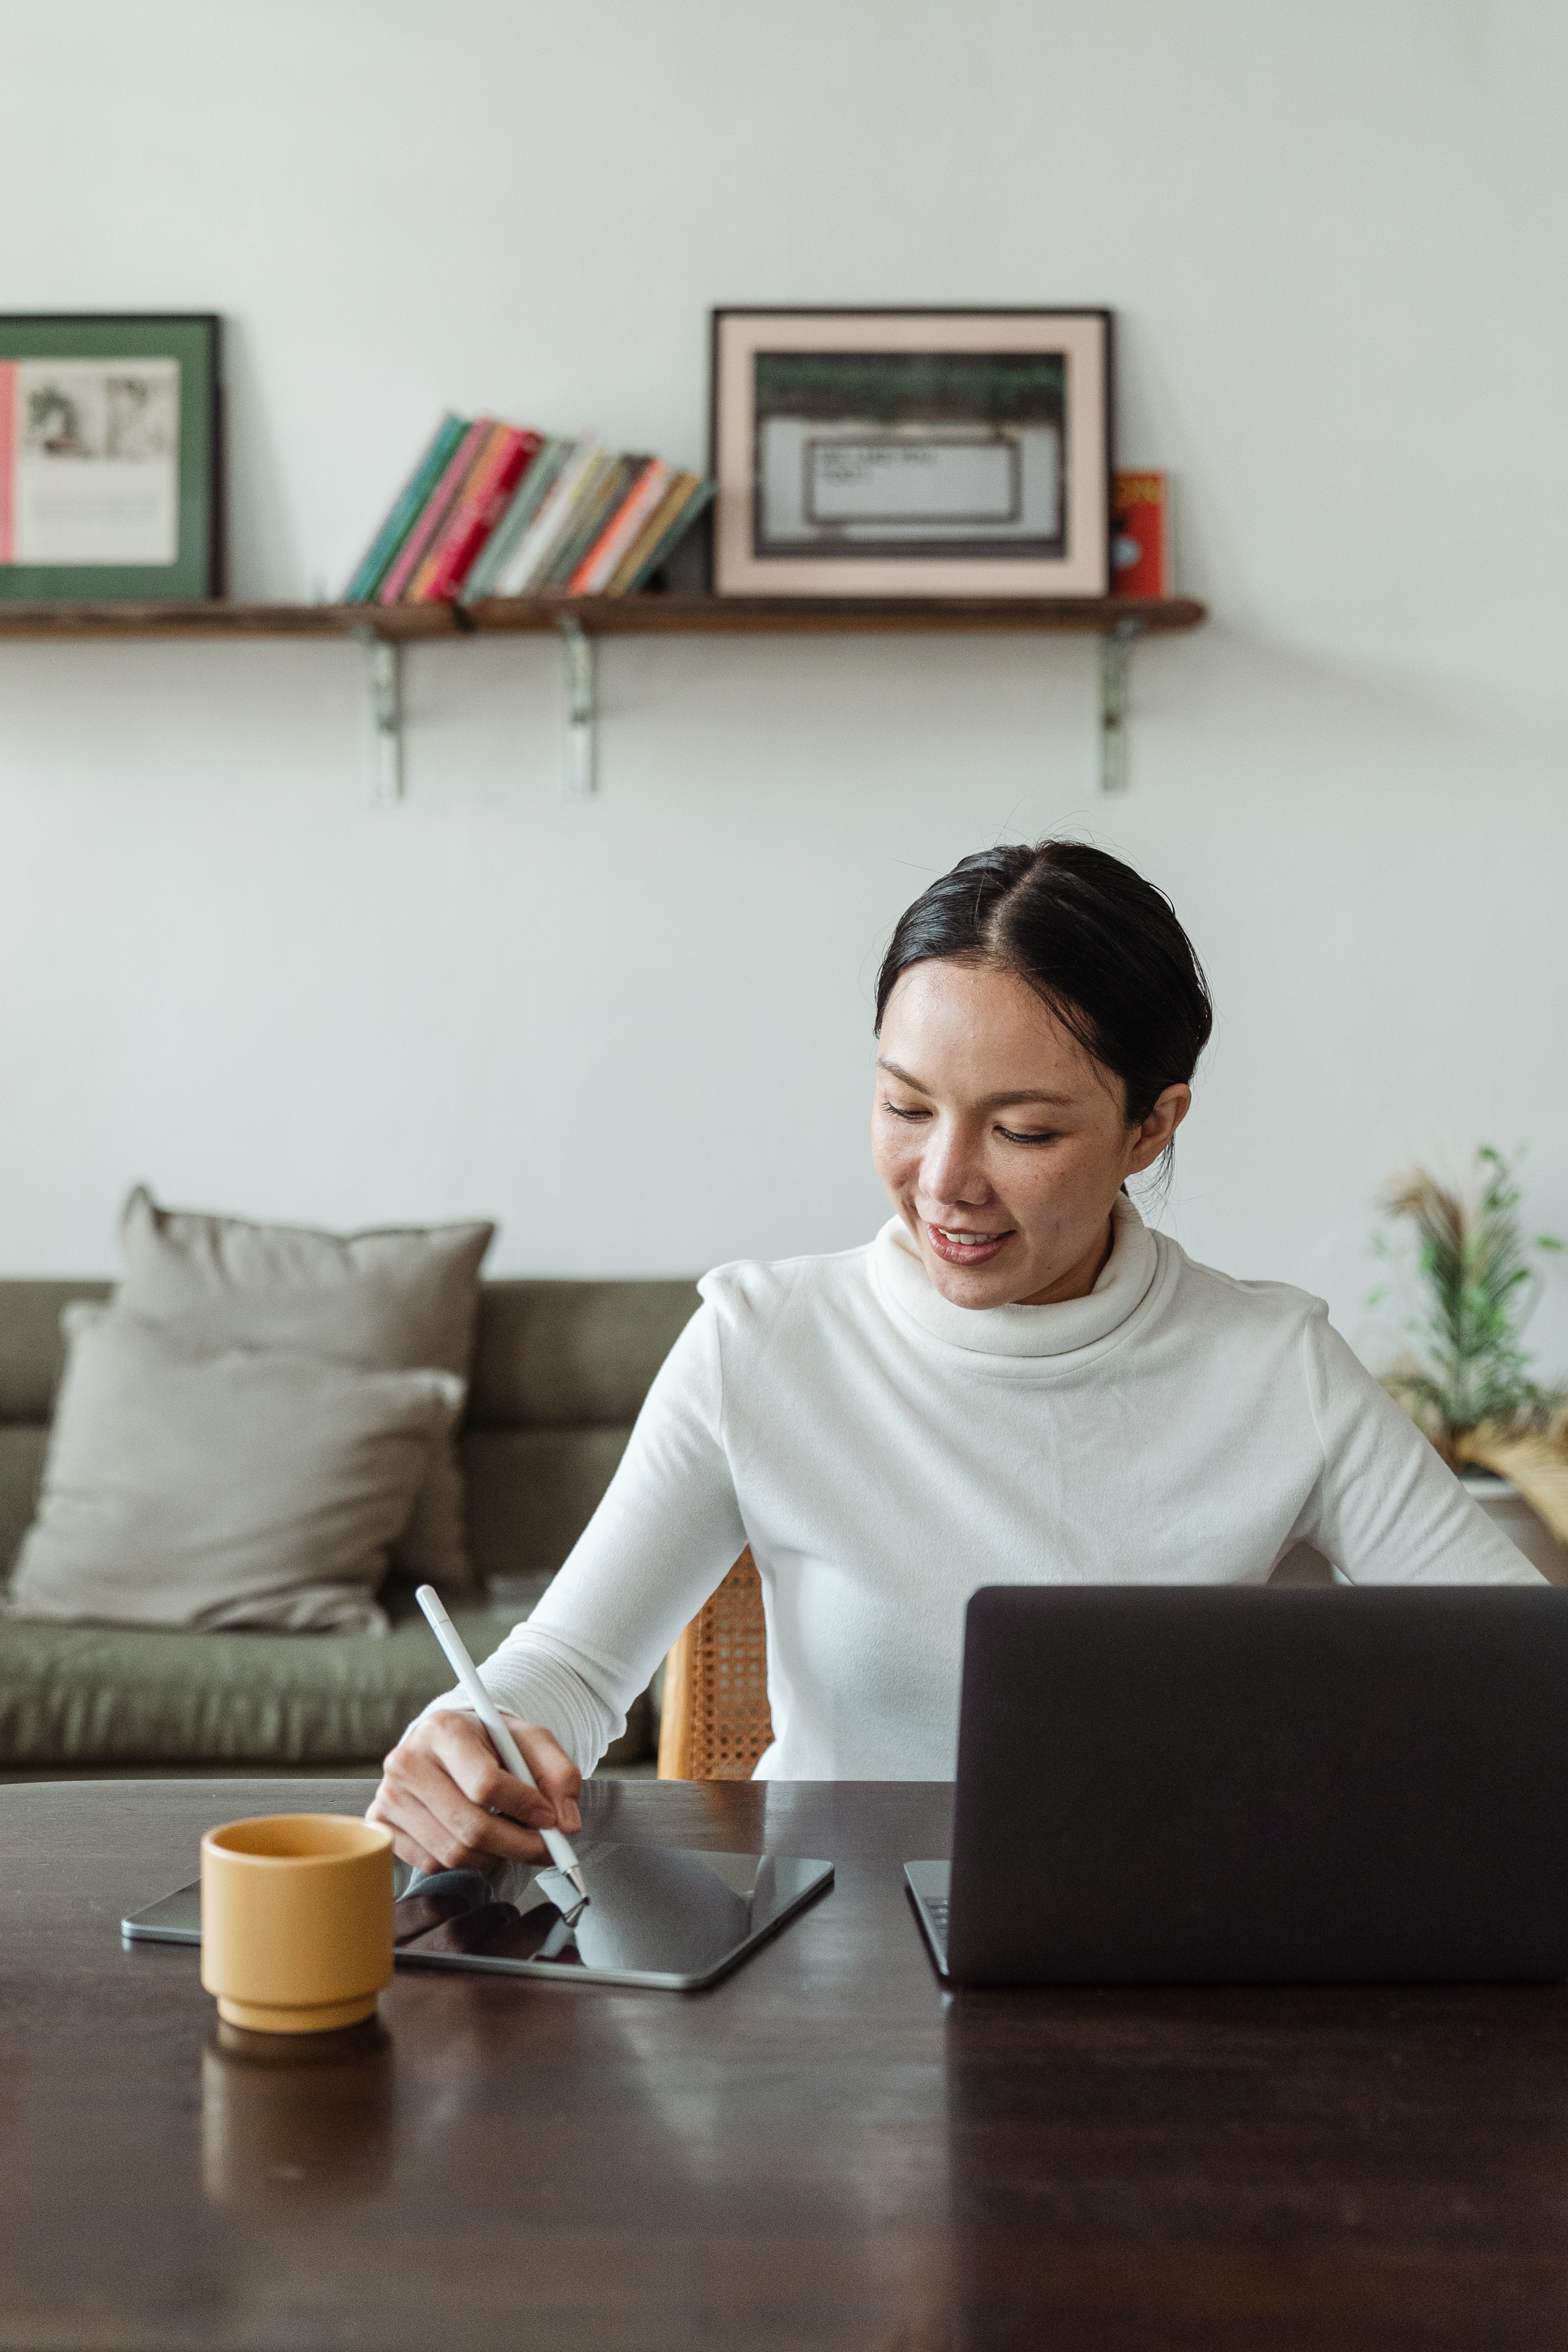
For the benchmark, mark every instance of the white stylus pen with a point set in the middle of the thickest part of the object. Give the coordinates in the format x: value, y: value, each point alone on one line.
x: 484, y: 1706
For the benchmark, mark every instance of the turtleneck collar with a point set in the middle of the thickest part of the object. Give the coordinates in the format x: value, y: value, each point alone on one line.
x: 1021, y: 1331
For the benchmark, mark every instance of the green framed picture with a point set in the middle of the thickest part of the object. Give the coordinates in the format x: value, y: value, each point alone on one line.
x: 109, y: 471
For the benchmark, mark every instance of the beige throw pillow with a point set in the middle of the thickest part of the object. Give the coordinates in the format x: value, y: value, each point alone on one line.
x: 387, y: 1301
x: 248, y: 1486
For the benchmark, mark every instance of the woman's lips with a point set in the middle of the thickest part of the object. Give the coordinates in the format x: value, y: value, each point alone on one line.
x: 944, y: 1240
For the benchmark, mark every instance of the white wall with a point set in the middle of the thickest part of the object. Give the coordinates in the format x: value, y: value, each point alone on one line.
x: 637, y: 1030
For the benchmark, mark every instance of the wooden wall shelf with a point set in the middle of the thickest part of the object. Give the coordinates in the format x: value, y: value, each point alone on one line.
x: 384, y: 629
x: 615, y: 617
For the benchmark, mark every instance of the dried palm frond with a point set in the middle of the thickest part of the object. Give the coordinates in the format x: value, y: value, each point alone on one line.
x: 1473, y: 1264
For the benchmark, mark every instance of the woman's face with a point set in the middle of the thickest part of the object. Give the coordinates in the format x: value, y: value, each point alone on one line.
x: 1001, y: 1143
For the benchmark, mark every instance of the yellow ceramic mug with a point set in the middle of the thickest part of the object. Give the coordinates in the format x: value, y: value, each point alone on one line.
x: 296, y: 1921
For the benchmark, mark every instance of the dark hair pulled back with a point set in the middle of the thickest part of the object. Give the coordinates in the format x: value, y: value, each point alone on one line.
x: 1100, y: 945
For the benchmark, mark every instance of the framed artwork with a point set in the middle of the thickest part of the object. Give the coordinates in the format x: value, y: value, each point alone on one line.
x: 911, y: 453
x: 109, y: 458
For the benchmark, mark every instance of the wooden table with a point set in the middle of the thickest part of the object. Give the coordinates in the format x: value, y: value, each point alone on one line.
x: 820, y: 2153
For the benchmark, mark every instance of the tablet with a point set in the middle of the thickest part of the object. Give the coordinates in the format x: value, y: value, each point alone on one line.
x: 665, y: 1916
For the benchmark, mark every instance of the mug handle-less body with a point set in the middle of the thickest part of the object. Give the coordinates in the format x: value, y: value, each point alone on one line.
x: 297, y: 1921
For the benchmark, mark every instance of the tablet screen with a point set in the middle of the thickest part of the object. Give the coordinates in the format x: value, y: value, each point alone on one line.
x: 662, y: 1916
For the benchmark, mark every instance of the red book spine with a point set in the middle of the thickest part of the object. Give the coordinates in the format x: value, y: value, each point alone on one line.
x: 1141, y: 541
x: 419, y: 538
x: 476, y: 515
x: 416, y: 590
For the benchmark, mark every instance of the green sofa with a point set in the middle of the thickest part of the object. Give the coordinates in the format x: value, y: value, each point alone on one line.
x: 560, y: 1370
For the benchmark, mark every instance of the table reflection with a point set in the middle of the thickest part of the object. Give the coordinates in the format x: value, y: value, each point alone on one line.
x: 294, y: 2119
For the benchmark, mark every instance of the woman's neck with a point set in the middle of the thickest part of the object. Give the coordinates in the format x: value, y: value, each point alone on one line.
x: 1079, y: 1279
x: 1020, y: 1330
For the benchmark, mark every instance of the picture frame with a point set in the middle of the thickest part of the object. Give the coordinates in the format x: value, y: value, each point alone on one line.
x: 885, y: 452
x: 111, y: 484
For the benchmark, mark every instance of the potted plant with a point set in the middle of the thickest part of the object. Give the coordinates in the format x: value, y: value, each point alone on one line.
x: 1466, y: 1382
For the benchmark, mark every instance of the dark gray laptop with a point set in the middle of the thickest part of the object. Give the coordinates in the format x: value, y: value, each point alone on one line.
x: 1263, y: 1785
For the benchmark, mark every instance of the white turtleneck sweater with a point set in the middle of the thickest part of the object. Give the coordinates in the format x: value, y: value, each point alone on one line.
x: 883, y: 1452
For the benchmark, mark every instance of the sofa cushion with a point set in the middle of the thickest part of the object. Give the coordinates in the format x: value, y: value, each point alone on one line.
x: 250, y: 1486
x: 33, y: 1343
x: 387, y: 1301
x: 559, y: 1372
x: 22, y: 1448
x: 551, y: 1354
x: 32, y: 1358
x: 116, y: 1695
x: 531, y: 1492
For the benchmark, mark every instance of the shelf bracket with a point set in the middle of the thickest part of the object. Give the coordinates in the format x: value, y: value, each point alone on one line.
x: 383, y: 667
x: 1114, y: 647
x: 581, y: 710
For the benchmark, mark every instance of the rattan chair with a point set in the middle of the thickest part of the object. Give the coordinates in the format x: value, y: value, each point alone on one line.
x: 716, y: 1722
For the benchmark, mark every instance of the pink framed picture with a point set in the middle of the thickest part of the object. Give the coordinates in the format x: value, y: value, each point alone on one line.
x: 911, y: 453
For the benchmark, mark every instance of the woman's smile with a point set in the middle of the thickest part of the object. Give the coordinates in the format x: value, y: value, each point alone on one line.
x: 1003, y: 1143
x: 960, y: 1248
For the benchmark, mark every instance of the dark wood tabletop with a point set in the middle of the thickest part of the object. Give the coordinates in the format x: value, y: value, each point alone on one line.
x: 822, y: 2152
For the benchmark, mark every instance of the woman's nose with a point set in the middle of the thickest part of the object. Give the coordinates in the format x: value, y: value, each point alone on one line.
x: 950, y: 1168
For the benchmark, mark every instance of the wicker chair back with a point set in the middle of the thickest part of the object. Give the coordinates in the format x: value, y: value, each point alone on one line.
x: 716, y: 1722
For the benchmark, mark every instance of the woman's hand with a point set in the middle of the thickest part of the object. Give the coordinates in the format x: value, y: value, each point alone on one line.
x: 451, y: 1804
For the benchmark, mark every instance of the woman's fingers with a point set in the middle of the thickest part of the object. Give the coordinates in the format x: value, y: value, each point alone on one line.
x: 451, y: 1804
x: 419, y: 1794
x: 462, y: 1746
x: 415, y: 1832
x: 558, y: 1777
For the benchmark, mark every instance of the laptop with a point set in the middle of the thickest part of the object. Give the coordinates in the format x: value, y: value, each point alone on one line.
x: 1256, y: 1785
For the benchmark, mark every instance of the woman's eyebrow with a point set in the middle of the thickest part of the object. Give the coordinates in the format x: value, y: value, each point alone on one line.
x: 987, y: 1102
x: 1028, y: 1094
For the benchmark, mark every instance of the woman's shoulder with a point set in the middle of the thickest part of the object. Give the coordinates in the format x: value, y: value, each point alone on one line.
x: 1206, y: 1291
x: 760, y: 1290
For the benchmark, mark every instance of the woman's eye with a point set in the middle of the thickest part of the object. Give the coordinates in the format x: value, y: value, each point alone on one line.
x: 1011, y: 1135
x: 899, y: 1111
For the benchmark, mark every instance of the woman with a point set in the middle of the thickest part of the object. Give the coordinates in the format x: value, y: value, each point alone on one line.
x: 1016, y: 1381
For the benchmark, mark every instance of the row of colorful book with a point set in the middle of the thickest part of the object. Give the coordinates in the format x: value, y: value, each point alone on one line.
x: 495, y: 510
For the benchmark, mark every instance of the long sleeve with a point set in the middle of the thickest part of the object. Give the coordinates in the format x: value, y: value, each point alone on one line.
x: 1386, y: 1509
x: 666, y: 1533
x: 883, y: 1458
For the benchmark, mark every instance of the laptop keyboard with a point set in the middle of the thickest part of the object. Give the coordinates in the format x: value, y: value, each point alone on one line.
x: 928, y: 1885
